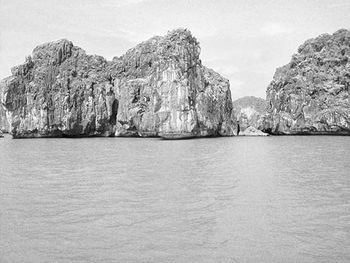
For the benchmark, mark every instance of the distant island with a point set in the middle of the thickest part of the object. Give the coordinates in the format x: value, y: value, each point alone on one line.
x: 249, y: 112
x: 161, y: 89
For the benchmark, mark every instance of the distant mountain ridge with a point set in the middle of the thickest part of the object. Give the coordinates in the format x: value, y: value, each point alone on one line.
x: 259, y: 104
x: 248, y: 111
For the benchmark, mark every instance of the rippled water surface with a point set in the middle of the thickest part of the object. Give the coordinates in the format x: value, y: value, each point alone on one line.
x: 275, y: 199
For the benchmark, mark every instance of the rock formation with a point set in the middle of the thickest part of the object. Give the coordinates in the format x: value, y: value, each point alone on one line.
x: 248, y: 112
x: 59, y: 91
x: 158, y: 88
x: 164, y: 90
x: 310, y: 95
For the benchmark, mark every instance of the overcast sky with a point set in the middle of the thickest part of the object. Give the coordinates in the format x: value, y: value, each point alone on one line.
x: 244, y: 41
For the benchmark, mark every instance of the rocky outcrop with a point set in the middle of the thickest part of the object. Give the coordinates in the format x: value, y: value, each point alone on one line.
x: 60, y: 91
x: 164, y: 90
x: 248, y: 112
x: 310, y: 95
x: 158, y: 88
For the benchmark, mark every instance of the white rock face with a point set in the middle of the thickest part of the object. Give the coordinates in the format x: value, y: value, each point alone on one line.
x: 170, y: 93
x: 158, y: 88
x: 310, y: 95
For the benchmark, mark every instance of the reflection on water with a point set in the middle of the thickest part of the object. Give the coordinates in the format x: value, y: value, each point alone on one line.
x: 276, y: 199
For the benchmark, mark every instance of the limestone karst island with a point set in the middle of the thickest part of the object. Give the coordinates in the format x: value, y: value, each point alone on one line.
x: 161, y: 89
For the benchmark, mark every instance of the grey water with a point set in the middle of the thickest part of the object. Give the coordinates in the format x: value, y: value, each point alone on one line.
x: 240, y: 199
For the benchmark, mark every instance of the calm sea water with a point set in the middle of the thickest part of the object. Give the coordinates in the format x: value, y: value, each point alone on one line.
x: 241, y: 199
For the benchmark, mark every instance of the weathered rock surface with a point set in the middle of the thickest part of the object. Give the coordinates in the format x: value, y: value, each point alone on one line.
x: 4, y: 124
x: 164, y: 90
x: 158, y: 88
x: 59, y: 91
x: 310, y: 95
x: 248, y: 112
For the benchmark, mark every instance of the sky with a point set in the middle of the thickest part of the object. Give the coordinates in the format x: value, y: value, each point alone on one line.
x: 243, y: 40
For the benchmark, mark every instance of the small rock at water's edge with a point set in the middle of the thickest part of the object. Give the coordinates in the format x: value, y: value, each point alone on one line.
x: 251, y: 131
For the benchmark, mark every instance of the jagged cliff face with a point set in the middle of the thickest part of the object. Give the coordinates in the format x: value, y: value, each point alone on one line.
x: 249, y: 111
x: 165, y: 90
x: 310, y: 95
x: 59, y: 91
x: 158, y: 88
